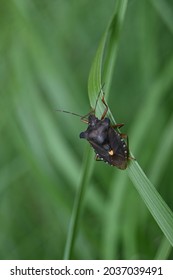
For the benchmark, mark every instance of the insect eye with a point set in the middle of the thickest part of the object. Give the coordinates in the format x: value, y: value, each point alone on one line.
x: 82, y: 135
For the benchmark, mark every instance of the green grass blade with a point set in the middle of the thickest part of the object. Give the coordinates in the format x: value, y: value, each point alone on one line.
x: 94, y: 86
x: 156, y: 205
x: 77, y: 208
x: 114, y: 32
x: 164, y: 250
x: 111, y: 38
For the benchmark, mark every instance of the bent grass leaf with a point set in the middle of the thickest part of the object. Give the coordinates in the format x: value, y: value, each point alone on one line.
x: 155, y: 203
x: 94, y: 86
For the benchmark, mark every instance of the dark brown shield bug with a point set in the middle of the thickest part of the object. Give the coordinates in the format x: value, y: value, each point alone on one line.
x: 109, y: 144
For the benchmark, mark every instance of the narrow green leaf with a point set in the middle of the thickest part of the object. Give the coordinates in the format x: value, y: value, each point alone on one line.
x: 111, y: 40
x: 94, y: 86
x: 156, y: 205
x: 163, y: 250
x: 77, y: 208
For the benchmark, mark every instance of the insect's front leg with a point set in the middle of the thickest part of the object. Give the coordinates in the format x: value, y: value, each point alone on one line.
x: 106, y: 109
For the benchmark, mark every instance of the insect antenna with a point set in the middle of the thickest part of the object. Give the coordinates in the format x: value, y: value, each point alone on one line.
x: 67, y: 112
x: 83, y: 118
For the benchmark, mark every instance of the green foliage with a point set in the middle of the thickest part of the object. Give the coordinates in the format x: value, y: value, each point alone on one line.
x: 46, y: 51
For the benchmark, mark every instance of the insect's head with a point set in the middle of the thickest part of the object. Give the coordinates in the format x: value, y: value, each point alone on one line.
x: 92, y: 120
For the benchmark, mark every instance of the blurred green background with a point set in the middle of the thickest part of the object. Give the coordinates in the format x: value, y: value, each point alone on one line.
x: 46, y: 51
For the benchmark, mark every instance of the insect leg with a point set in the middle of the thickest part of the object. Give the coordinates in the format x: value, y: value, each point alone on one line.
x: 84, y: 120
x: 124, y: 136
x: 118, y: 125
x: 97, y: 158
x: 106, y: 109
